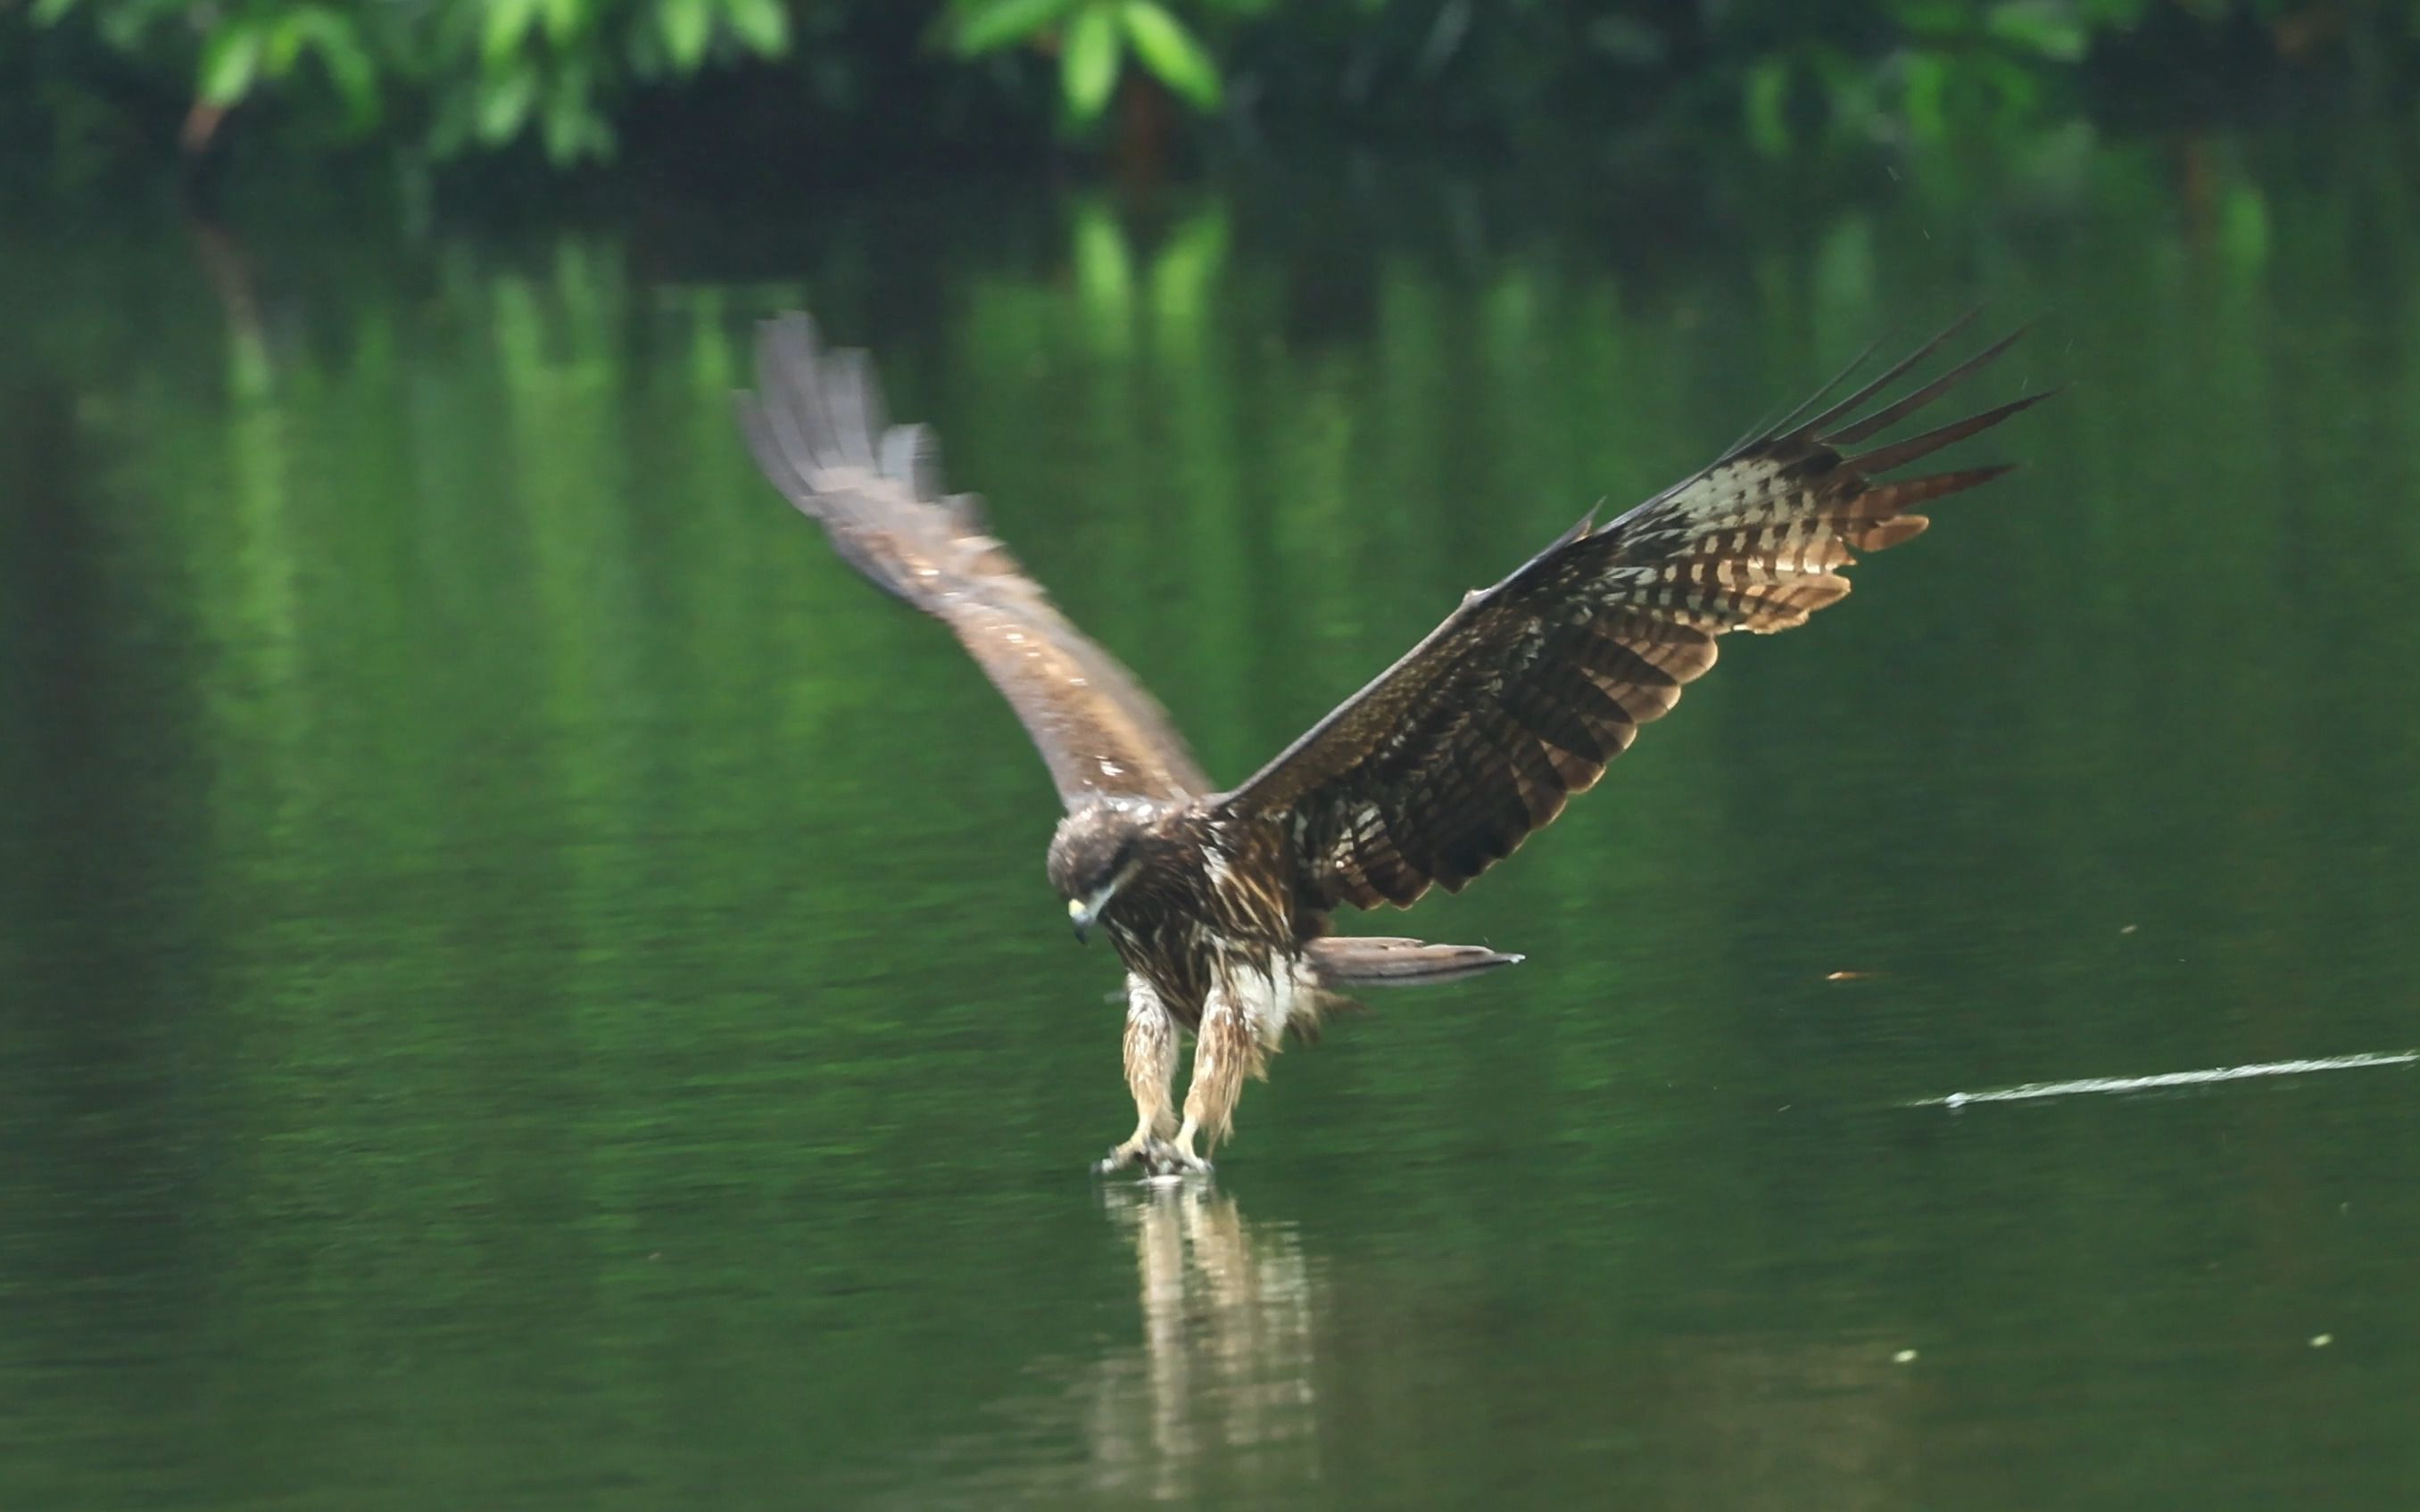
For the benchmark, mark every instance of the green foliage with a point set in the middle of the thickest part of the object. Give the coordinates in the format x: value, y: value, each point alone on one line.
x: 457, y: 75
x: 1949, y: 61
x: 448, y: 77
x: 1092, y: 38
x: 1088, y: 63
x: 1170, y: 51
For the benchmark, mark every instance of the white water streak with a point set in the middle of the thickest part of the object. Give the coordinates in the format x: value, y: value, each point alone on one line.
x: 2172, y: 1078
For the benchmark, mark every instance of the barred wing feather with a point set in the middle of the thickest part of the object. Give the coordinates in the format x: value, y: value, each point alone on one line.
x: 1477, y: 736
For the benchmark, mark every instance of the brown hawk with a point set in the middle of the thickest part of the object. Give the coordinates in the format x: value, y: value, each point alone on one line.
x: 1220, y: 901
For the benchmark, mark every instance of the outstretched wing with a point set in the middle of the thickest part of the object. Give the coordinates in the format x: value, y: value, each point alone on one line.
x: 1450, y: 759
x: 815, y: 427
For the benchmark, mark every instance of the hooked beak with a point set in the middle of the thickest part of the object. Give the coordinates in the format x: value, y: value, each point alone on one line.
x: 1081, y: 912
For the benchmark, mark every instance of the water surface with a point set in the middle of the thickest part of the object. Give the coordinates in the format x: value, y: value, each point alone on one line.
x: 524, y: 985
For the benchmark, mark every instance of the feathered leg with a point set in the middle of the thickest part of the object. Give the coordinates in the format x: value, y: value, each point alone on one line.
x: 1225, y: 1051
x: 1151, y: 1066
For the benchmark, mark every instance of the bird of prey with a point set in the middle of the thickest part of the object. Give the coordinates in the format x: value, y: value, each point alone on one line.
x: 1221, y: 900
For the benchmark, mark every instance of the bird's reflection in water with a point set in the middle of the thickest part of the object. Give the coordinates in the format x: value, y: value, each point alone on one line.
x: 1257, y: 1361
x: 1224, y: 1374
x: 1253, y: 1349
x: 1216, y: 1400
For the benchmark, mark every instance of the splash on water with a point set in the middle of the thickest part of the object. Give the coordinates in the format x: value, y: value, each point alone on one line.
x: 2172, y: 1078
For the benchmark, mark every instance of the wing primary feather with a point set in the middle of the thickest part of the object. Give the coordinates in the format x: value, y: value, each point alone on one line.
x: 772, y: 443
x: 910, y: 457
x: 796, y: 349
x: 815, y: 427
x: 1766, y: 431
x: 1905, y: 493
x: 1888, y: 377
x: 1892, y: 413
x: 1899, y: 454
x: 783, y: 353
x: 853, y: 407
x: 757, y: 426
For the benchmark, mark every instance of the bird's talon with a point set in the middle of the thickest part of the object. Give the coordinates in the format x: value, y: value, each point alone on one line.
x: 1162, y: 1158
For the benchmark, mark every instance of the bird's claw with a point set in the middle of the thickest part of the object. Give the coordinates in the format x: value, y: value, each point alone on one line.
x: 1162, y: 1157
x: 1156, y: 1156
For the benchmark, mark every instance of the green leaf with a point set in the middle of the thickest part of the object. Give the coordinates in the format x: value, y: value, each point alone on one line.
x: 504, y: 104
x: 688, y: 27
x: 999, y: 23
x: 1088, y: 60
x: 48, y: 12
x: 230, y: 62
x: 2045, y: 28
x: 350, y: 65
x: 282, y: 43
x: 566, y: 20
x: 508, y: 22
x: 763, y: 24
x: 333, y: 36
x: 1172, y: 54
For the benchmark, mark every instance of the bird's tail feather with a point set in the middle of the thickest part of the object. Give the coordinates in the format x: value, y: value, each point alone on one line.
x: 1392, y: 960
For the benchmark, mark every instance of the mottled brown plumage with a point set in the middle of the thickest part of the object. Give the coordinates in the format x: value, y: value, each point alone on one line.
x: 815, y: 427
x: 1220, y: 902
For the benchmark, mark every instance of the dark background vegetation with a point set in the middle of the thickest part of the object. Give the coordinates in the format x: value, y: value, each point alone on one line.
x: 705, y: 91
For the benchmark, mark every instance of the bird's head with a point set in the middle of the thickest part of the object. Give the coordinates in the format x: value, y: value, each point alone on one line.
x: 1096, y: 850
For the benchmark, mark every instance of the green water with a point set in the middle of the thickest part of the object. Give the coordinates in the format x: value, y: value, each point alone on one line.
x: 524, y: 985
